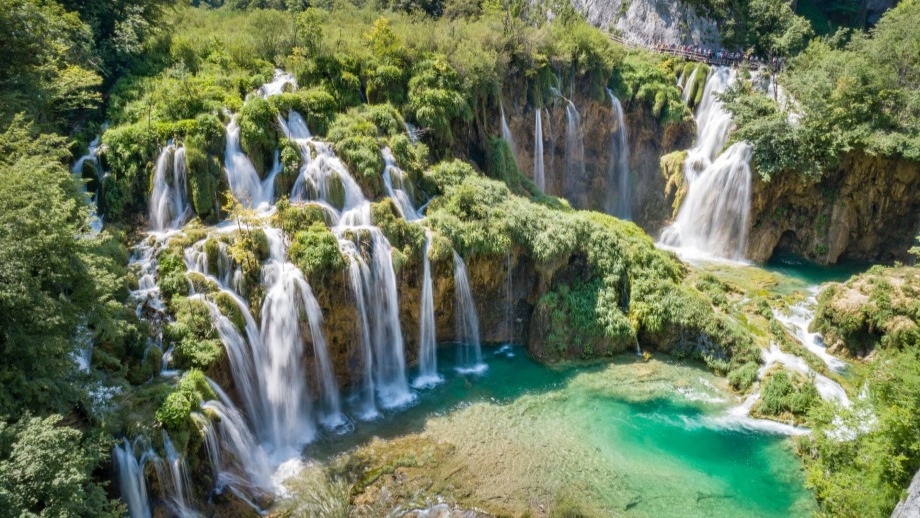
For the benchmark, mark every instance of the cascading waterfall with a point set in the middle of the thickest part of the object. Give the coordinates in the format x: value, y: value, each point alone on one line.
x: 685, y: 86
x: 574, y: 151
x: 91, y: 156
x: 241, y: 174
x: 131, y: 481
x: 470, y: 352
x: 619, y: 163
x: 169, y: 199
x: 172, y: 473
x: 798, y: 321
x: 237, y: 460
x: 829, y: 389
x: 506, y: 132
x: 538, y: 173
x: 427, y: 357
x: 396, y: 187
x: 359, y: 275
x: 288, y: 296
x: 713, y: 219
x: 280, y: 81
x: 373, y: 281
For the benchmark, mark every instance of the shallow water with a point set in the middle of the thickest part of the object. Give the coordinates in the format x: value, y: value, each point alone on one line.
x: 627, y: 438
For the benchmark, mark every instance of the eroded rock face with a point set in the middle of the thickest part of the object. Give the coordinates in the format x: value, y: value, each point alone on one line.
x: 910, y: 506
x: 866, y: 210
x: 648, y: 140
x: 649, y: 21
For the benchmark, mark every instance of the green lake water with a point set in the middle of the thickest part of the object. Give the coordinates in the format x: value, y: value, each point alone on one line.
x: 629, y: 438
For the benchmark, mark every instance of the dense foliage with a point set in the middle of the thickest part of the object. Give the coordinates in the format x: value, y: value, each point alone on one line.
x: 848, y: 92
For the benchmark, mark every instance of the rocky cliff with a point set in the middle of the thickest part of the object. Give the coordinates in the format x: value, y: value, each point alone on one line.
x: 648, y: 140
x: 650, y: 21
x: 866, y: 210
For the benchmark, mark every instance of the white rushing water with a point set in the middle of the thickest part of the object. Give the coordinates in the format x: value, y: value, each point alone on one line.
x: 538, y: 167
x: 829, y: 389
x: 397, y: 188
x: 506, y: 132
x: 574, y: 150
x: 686, y: 86
x: 131, y: 483
x: 241, y: 174
x: 467, y: 321
x: 169, y: 205
x: 713, y: 219
x: 798, y: 320
x: 172, y: 474
x: 91, y: 156
x: 618, y: 173
x: 428, y: 354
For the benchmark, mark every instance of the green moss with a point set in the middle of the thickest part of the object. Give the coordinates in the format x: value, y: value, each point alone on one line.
x: 785, y: 393
x: 316, y: 252
x: 315, y: 105
x: 408, y: 238
x: 172, y: 279
x: 294, y: 218
x: 258, y: 133
x: 743, y: 377
x: 195, y: 341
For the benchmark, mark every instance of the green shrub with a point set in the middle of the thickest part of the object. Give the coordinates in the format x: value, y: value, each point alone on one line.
x: 258, y: 133
x: 316, y: 252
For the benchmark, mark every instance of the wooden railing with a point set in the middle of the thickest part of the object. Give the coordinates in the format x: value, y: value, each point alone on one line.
x: 713, y: 59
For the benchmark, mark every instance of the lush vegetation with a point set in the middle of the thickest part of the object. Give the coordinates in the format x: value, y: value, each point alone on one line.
x: 850, y: 92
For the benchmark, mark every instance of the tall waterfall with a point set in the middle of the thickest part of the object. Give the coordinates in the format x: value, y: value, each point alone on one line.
x: 288, y: 297
x: 372, y: 281
x: 538, y: 173
x: 550, y: 172
x: 470, y: 352
x: 241, y: 174
x: 713, y: 218
x: 169, y: 199
x: 574, y: 150
x: 131, y: 483
x: 506, y: 132
x: 686, y: 86
x: 619, y: 163
x: 428, y: 355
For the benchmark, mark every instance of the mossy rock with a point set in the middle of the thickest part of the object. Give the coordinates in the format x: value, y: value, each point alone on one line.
x: 405, y: 236
x: 231, y: 310
x: 259, y: 133
x: 294, y: 218
x: 316, y: 252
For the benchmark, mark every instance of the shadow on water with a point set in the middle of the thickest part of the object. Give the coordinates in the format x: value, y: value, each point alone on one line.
x: 510, y: 374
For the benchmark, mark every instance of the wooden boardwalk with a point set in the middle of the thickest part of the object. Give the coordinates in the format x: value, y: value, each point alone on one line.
x: 690, y: 55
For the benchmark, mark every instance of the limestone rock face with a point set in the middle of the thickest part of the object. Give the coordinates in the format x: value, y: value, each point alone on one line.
x: 866, y: 210
x: 647, y: 138
x: 910, y: 506
x: 649, y: 21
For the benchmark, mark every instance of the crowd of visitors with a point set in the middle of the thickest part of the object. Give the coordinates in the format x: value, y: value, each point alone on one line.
x: 717, y: 57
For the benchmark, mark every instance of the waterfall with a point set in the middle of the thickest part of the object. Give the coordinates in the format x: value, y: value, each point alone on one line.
x: 574, y: 151
x: 241, y: 174
x: 280, y: 80
x: 713, y: 218
x: 236, y: 459
x: 427, y: 341
x: 687, y: 86
x: 829, y: 389
x: 288, y: 296
x: 359, y: 276
x: 619, y: 163
x: 131, y: 481
x: 389, y: 350
x: 172, y: 473
x: 92, y: 156
x: 538, y: 174
x: 394, y: 182
x: 506, y: 132
x: 470, y: 352
x: 169, y: 199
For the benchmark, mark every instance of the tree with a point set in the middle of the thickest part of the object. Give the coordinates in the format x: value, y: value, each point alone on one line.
x: 46, y: 470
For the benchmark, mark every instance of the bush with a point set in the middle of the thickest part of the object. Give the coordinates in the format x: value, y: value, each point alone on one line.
x: 316, y: 252
x: 258, y: 133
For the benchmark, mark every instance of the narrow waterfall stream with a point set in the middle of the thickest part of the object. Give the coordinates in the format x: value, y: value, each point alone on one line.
x: 538, y: 168
x: 428, y: 354
x: 713, y: 219
x: 618, y: 172
x: 574, y: 171
x: 131, y: 482
x: 91, y: 157
x: 169, y: 204
x: 506, y: 132
x: 469, y: 357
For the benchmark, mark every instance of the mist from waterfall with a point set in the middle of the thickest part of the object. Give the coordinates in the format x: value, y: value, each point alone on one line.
x: 467, y: 321
x: 506, y: 132
x: 538, y: 172
x: 618, y: 172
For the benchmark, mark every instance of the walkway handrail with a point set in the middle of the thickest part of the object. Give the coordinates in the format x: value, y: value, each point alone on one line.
x: 689, y: 55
